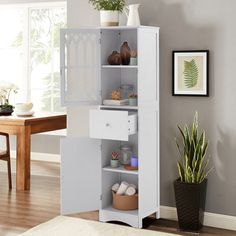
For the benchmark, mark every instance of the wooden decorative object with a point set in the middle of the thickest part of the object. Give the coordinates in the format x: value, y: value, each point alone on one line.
x: 125, y: 53
x: 115, y: 95
x: 114, y: 58
x: 129, y: 167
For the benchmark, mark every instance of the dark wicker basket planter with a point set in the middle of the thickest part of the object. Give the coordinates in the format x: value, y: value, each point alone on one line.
x: 6, y: 110
x: 190, y: 204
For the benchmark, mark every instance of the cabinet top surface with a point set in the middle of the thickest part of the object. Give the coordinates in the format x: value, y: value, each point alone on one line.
x: 117, y: 28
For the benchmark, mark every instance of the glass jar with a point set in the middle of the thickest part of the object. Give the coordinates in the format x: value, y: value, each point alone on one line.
x: 126, y: 153
x: 126, y: 90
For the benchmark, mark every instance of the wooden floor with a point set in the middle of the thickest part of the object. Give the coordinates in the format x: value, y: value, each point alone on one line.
x: 20, y: 211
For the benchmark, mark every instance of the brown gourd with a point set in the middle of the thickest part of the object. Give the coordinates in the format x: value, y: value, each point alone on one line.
x: 125, y: 53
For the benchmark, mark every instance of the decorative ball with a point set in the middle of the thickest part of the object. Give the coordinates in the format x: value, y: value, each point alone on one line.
x: 115, y: 95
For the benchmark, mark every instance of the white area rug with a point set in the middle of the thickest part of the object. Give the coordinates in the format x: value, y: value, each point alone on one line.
x: 68, y: 226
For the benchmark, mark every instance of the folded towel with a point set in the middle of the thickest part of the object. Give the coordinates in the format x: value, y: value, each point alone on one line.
x: 132, y: 185
x: 123, y: 187
x: 115, y: 187
x: 131, y: 190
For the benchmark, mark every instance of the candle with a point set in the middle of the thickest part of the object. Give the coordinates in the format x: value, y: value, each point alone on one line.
x: 134, y: 161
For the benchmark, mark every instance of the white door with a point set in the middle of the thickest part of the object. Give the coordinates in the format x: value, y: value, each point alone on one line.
x: 149, y: 185
x: 148, y: 92
x: 80, y: 66
x: 148, y: 70
x: 80, y: 175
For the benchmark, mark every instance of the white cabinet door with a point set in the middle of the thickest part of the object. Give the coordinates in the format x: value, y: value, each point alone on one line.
x: 80, y: 66
x: 80, y: 175
x: 148, y: 69
x: 149, y: 185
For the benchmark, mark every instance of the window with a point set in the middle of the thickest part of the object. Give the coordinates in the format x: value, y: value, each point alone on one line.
x: 29, y: 51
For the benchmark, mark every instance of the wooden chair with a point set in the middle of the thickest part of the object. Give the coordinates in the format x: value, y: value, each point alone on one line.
x: 5, y: 156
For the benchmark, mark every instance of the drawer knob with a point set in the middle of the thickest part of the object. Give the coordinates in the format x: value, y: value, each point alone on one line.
x: 107, y: 124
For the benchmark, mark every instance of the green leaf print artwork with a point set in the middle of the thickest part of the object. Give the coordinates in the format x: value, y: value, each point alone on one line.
x: 190, y: 73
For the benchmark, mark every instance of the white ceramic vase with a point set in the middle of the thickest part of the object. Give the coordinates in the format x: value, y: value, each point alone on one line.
x: 109, y: 18
x: 133, y: 15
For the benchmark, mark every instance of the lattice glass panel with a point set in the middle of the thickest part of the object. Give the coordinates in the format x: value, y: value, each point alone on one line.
x: 82, y: 64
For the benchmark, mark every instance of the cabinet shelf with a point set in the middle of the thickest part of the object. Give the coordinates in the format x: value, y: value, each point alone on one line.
x: 119, y: 66
x: 120, y: 169
x: 111, y: 214
x: 119, y: 107
x: 111, y: 209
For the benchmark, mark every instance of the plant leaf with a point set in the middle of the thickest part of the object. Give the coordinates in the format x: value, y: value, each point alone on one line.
x: 181, y: 171
x: 192, y: 165
x: 190, y: 73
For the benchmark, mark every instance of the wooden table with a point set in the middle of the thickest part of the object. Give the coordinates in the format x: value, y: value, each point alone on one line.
x: 23, y: 128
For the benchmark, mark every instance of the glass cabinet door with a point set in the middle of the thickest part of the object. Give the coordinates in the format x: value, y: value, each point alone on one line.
x: 80, y: 66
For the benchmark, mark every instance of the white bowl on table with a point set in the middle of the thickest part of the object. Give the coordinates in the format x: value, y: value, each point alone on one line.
x: 24, y: 109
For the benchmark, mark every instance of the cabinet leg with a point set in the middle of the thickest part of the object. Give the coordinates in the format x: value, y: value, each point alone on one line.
x: 140, y: 223
x: 158, y: 213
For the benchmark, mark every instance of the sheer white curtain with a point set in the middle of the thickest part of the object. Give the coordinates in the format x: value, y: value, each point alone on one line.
x: 29, y: 50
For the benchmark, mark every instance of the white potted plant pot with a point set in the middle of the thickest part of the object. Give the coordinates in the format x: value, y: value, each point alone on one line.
x: 114, y: 163
x: 109, y: 18
x: 133, y: 101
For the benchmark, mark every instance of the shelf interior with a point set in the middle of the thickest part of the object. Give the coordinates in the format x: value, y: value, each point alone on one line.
x: 119, y: 107
x: 120, y: 169
x: 111, y: 209
x: 120, y: 66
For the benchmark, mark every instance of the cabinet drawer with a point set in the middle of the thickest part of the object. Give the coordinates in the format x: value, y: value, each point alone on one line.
x: 114, y: 125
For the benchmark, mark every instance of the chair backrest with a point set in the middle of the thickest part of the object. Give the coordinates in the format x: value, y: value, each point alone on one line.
x: 4, y: 142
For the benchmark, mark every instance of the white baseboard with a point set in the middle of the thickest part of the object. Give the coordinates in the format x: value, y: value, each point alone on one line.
x: 210, y: 219
x: 37, y: 156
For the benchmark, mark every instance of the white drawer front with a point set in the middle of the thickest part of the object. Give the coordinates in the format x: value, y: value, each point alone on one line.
x: 113, y: 125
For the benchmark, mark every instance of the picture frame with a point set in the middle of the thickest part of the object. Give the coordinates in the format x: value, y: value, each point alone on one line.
x: 190, y: 73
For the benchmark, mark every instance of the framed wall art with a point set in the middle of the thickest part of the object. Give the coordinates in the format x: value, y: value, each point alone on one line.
x: 190, y: 73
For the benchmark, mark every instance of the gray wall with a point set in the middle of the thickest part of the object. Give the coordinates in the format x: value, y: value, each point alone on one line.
x: 42, y: 143
x: 192, y: 24
x: 199, y: 24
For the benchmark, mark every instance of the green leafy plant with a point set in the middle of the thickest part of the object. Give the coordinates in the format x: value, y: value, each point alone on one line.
x: 109, y: 5
x: 192, y: 166
x: 190, y: 73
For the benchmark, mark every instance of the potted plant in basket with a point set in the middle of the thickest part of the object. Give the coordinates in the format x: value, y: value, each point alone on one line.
x: 6, y: 89
x: 190, y: 187
x: 109, y: 11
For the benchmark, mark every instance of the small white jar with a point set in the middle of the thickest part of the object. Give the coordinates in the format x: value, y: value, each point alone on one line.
x: 126, y: 153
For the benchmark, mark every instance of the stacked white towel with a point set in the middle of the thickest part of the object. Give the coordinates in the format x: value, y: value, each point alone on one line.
x: 124, y: 189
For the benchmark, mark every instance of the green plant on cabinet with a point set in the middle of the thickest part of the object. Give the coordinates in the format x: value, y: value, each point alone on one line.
x: 108, y: 5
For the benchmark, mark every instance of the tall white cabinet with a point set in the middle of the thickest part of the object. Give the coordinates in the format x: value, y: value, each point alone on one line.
x: 86, y: 80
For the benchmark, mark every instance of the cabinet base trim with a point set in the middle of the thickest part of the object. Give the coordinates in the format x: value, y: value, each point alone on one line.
x: 129, y: 217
